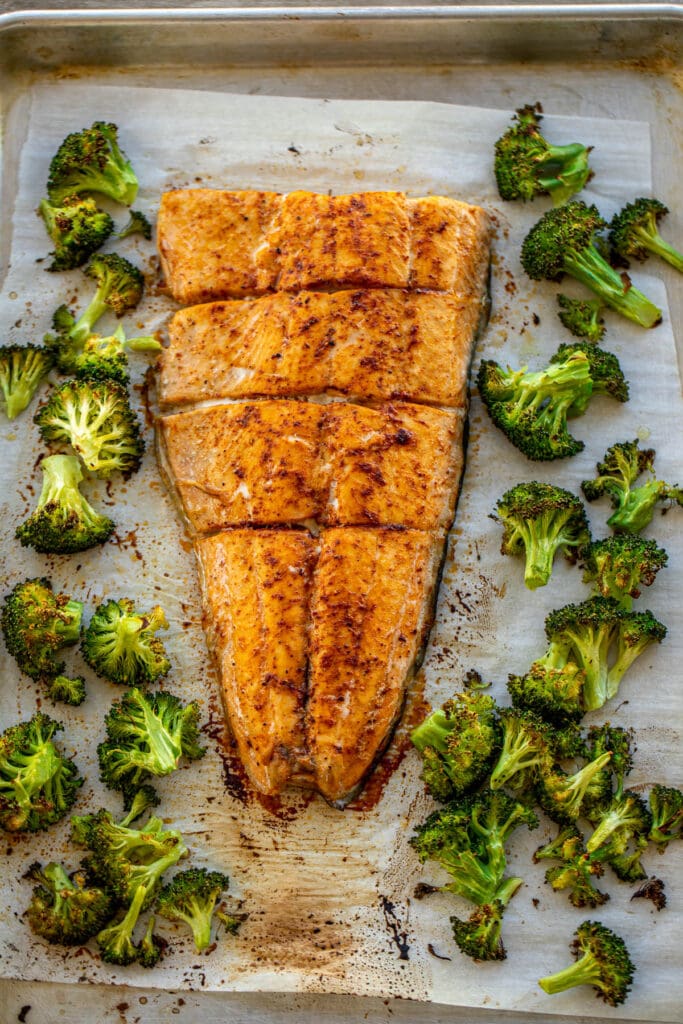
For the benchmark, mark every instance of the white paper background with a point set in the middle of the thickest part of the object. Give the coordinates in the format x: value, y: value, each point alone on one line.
x: 311, y: 877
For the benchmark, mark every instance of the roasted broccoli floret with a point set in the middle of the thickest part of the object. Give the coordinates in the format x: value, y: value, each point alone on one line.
x: 63, y: 522
x: 562, y: 242
x: 36, y: 624
x: 138, y: 224
x: 105, y: 358
x: 77, y: 229
x: 666, y: 808
x: 605, y: 372
x: 562, y: 796
x: 620, y: 565
x: 576, y: 869
x: 480, y: 936
x: 192, y: 897
x: 120, y: 643
x: 602, y: 961
x: 151, y: 948
x: 96, y: 419
x: 634, y: 233
x: 147, y: 734
x: 457, y: 744
x: 582, y: 317
x: 540, y: 520
x: 38, y: 784
x: 618, y: 742
x: 116, y: 940
x: 23, y: 368
x: 91, y: 161
x: 532, y: 408
x: 64, y: 908
x: 652, y: 890
x: 526, y: 165
x: 527, y: 747
x: 66, y: 690
x: 622, y: 465
x: 624, y: 818
x: 552, y: 688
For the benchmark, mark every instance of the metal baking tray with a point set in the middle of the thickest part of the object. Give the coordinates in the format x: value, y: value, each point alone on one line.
x: 605, y: 60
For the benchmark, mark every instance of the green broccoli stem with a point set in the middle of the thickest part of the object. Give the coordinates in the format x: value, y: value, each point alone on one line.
x: 199, y: 917
x: 655, y: 244
x: 145, y: 343
x: 85, y: 325
x: 586, y: 971
x: 433, y: 732
x: 542, y: 539
x: 116, y: 941
x: 562, y: 172
x: 507, y: 889
x: 590, y: 648
x: 591, y: 269
x: 638, y: 509
x: 30, y: 774
x: 24, y: 387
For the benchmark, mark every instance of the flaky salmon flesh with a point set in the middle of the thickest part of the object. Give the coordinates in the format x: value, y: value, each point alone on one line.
x: 216, y: 244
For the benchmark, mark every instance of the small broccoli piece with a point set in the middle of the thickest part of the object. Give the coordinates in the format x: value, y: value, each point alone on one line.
x: 77, y: 229
x: 540, y: 520
x: 652, y: 890
x: 602, y: 961
x: 562, y: 242
x: 619, y: 743
x: 147, y: 734
x: 605, y: 372
x: 192, y: 897
x: 105, y: 358
x: 36, y: 624
x: 120, y: 643
x: 576, y: 869
x: 666, y: 808
x: 457, y: 744
x: 116, y: 941
x: 637, y: 631
x: 63, y: 521
x: 64, y: 908
x: 620, y: 565
x: 625, y: 863
x: 22, y: 370
x: 91, y: 161
x: 634, y: 233
x: 38, y: 784
x: 138, y: 224
x: 582, y: 318
x: 151, y: 949
x: 562, y: 796
x: 480, y: 936
x: 96, y: 419
x: 531, y: 409
x: 624, y: 818
x: 231, y: 922
x: 526, y: 165
x: 68, y: 691
x: 622, y: 465
x: 552, y: 688
x: 527, y: 747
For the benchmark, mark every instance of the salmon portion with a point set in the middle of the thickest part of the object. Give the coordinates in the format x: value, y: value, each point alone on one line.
x: 256, y: 591
x: 286, y: 462
x: 369, y: 345
x: 216, y: 244
x: 371, y: 612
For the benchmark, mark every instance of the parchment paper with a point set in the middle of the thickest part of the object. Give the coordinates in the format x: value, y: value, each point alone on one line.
x: 329, y: 893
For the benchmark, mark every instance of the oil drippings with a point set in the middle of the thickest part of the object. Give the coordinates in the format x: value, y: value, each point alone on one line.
x: 400, y: 938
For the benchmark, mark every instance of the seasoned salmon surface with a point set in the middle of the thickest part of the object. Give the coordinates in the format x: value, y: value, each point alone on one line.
x: 285, y: 462
x: 216, y: 244
x: 369, y: 345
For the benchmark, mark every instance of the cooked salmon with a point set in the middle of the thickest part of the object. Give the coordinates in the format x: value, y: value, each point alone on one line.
x: 285, y: 463
x: 367, y: 345
x: 216, y: 244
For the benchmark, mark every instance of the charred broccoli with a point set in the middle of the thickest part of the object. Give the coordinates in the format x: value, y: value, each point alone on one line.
x: 120, y: 643
x: 527, y: 747
x: 552, y: 688
x: 192, y: 897
x: 479, y: 937
x: 64, y: 908
x: 634, y: 507
x: 116, y: 939
x: 23, y: 368
x: 620, y: 565
x: 138, y: 224
x: 36, y: 624
x: 625, y: 817
x: 63, y: 522
x: 634, y: 233
x: 66, y: 690
x: 77, y: 229
x: 562, y: 796
x: 582, y: 317
x: 666, y: 810
x: 605, y: 373
x: 38, y: 784
x: 96, y: 419
x: 562, y: 243
x: 526, y: 165
x: 538, y: 521
x: 91, y: 161
x: 576, y: 869
x: 602, y: 961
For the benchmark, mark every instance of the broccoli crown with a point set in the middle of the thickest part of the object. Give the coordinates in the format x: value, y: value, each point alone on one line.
x: 192, y: 897
x: 105, y: 358
x: 620, y: 565
x: 66, y: 690
x: 480, y: 936
x: 137, y: 224
x: 526, y: 165
x: 38, y: 784
x: 582, y: 317
x: 63, y: 522
x: 602, y: 961
x: 562, y: 796
x: 457, y: 744
x: 540, y: 520
x: 147, y: 734
x: 619, y: 743
x: 22, y: 370
x: 634, y: 233
x: 532, y: 408
x: 527, y: 747
x: 37, y: 623
x: 666, y: 809
x: 588, y: 632
x: 625, y: 817
x: 120, y: 643
x: 605, y: 372
x: 64, y: 908
x: 622, y: 465
x: 561, y: 242
x: 119, y: 283
x: 116, y: 940
x: 77, y: 229
x: 552, y: 688
x: 91, y: 161
x: 96, y: 419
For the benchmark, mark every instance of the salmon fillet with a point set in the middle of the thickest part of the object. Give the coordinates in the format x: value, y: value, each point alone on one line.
x: 285, y: 462
x: 370, y: 345
x: 216, y: 244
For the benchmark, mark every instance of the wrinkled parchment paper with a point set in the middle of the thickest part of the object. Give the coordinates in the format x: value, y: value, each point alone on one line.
x: 329, y: 893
